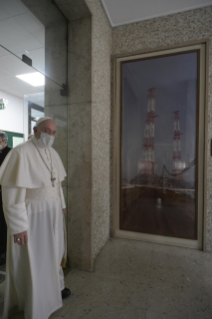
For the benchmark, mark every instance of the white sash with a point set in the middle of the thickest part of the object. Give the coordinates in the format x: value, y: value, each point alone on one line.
x: 43, y: 193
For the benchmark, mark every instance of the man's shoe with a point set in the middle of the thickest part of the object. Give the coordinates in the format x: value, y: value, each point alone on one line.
x: 65, y: 293
x: 2, y: 259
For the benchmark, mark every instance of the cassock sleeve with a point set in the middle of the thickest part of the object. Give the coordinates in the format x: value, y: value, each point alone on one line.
x: 62, y: 197
x: 15, y: 209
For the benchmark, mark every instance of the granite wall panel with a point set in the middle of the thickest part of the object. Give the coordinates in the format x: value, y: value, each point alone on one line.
x: 101, y: 104
x: 80, y: 251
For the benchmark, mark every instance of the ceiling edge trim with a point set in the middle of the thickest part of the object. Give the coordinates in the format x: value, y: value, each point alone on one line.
x: 157, y: 16
x: 107, y: 14
x: 13, y: 94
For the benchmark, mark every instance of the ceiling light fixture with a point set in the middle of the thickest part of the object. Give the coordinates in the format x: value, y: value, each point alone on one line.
x: 35, y: 79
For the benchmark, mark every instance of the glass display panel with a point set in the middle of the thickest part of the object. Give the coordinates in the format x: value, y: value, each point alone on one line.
x: 159, y: 105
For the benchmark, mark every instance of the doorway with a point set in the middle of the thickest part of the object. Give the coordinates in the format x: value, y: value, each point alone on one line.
x: 24, y: 96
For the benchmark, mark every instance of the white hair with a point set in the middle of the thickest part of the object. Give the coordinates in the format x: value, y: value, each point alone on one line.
x: 3, y: 136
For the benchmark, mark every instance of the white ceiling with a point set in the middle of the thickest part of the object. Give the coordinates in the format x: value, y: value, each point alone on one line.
x: 10, y: 66
x: 122, y: 12
x: 22, y: 33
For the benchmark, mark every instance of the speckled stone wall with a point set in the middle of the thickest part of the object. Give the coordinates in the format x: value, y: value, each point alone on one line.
x: 101, y: 122
x: 163, y: 32
x: 89, y: 81
x: 79, y: 145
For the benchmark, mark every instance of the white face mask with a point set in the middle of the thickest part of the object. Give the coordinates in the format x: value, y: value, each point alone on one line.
x: 46, y: 140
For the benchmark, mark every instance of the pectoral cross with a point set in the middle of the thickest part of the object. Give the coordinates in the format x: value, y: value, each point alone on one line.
x: 53, y: 179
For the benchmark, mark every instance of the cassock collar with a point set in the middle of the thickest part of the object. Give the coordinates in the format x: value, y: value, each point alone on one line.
x: 20, y: 169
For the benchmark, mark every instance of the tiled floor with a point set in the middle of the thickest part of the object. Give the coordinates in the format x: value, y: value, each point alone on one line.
x: 138, y: 280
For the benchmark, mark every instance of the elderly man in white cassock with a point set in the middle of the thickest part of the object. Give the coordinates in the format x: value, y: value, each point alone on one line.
x: 34, y: 209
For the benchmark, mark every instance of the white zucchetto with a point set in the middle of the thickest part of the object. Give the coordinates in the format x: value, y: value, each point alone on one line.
x: 42, y: 119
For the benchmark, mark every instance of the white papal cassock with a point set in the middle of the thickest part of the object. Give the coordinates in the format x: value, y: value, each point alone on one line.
x: 34, y: 277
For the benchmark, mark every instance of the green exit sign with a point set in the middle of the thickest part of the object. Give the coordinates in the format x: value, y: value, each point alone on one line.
x: 2, y: 106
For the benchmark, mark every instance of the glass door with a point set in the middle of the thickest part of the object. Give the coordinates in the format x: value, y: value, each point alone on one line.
x: 30, y: 95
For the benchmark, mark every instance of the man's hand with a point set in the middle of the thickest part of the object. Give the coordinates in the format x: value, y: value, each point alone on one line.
x: 64, y: 211
x: 21, y: 238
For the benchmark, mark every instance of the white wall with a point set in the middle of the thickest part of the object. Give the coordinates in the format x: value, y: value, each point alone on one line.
x: 25, y: 115
x: 12, y: 118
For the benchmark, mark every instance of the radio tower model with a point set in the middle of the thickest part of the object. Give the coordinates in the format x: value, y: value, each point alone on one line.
x: 148, y: 152
x: 177, y: 160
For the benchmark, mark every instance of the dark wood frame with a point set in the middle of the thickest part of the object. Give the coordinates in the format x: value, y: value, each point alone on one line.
x: 197, y: 132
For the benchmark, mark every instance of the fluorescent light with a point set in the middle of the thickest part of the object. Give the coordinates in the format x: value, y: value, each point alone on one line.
x: 35, y: 79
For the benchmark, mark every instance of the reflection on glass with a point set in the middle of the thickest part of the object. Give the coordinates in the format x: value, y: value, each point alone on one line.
x: 159, y: 147
x: 37, y: 114
x: 22, y: 33
x: 35, y: 79
x: 27, y: 103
